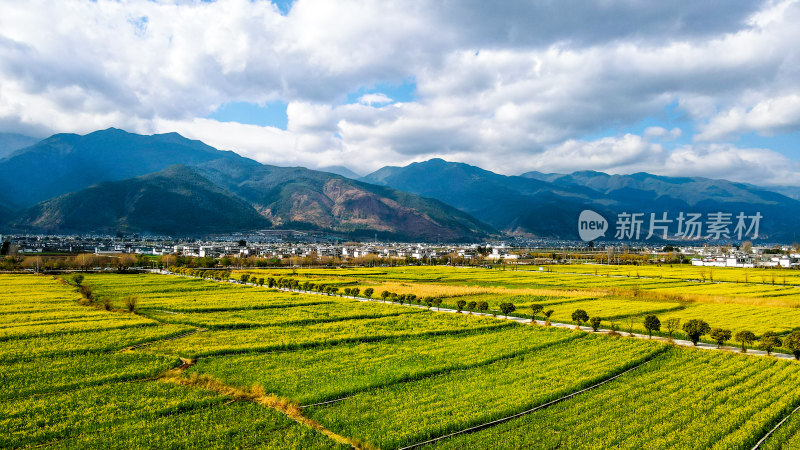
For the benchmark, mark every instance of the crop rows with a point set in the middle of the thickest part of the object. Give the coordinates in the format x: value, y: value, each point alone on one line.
x: 331, y: 372
x: 412, y: 412
x: 287, y: 337
x: 685, y: 399
x: 295, y: 315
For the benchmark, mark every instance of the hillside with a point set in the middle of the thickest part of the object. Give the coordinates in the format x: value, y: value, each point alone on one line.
x: 176, y: 200
x: 548, y: 205
x: 65, y: 163
x: 98, y: 183
x: 296, y: 197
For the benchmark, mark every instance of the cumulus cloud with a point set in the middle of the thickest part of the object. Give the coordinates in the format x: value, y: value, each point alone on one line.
x: 774, y: 115
x: 374, y: 99
x: 632, y: 153
x: 510, y: 86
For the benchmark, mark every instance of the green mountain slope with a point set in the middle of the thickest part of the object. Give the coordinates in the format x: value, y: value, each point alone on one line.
x: 175, y: 201
x: 66, y: 163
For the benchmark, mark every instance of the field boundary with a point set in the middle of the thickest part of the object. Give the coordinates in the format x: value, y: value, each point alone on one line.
x: 445, y: 371
x: 534, y: 409
x: 774, y: 429
x: 170, y: 338
x: 522, y: 320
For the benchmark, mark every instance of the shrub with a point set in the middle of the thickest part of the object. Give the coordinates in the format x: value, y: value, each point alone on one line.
x: 547, y: 315
x: 672, y: 324
x: 792, y: 342
x: 76, y: 279
x: 535, y: 309
x: 580, y: 316
x: 131, y: 302
x: 651, y: 323
x: 695, y: 328
x: 745, y: 337
x: 507, y: 308
x: 720, y: 335
x: 769, y: 341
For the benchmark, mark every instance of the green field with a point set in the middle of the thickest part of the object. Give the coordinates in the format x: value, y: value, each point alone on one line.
x: 615, y: 294
x: 212, y: 364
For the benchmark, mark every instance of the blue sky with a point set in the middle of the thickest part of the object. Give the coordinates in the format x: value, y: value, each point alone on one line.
x: 674, y: 88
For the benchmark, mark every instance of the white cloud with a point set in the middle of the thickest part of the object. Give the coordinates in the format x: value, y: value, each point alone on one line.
x: 662, y: 133
x: 773, y: 115
x: 510, y: 86
x: 374, y: 99
x: 630, y: 153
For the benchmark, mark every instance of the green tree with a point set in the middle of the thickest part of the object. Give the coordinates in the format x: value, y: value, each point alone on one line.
x: 471, y: 306
x: 696, y: 328
x: 438, y: 302
x: 720, y: 335
x: 672, y: 324
x: 244, y: 278
x: 346, y: 291
x: 368, y: 292
x: 535, y: 309
x: 792, y: 342
x: 460, y: 304
x: 769, y: 341
x: 270, y: 282
x: 580, y: 316
x: 483, y: 306
x: 547, y: 315
x: 334, y: 290
x: 745, y: 338
x: 595, y: 323
x: 507, y: 308
x: 384, y: 294
x: 76, y: 279
x: 354, y: 292
x: 651, y: 323
x: 261, y: 282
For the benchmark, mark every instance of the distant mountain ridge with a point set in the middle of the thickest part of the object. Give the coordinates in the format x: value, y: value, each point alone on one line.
x: 11, y: 142
x: 114, y: 180
x: 340, y: 170
x: 548, y: 205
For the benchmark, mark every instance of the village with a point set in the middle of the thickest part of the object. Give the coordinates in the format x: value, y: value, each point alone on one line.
x: 299, y: 250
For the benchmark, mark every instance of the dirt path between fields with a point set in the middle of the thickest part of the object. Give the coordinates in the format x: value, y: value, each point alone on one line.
x: 255, y: 395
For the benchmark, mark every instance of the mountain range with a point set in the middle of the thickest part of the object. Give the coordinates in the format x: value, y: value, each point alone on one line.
x: 548, y: 205
x: 112, y: 181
